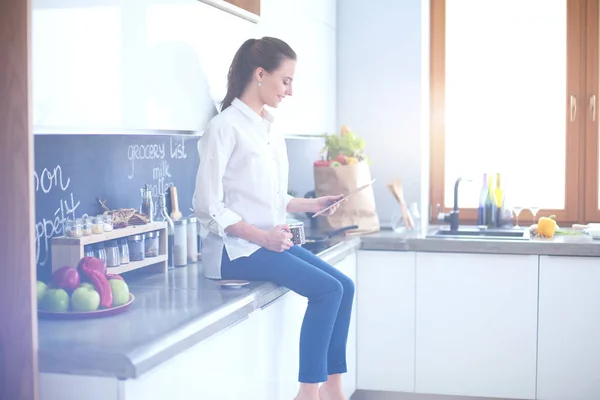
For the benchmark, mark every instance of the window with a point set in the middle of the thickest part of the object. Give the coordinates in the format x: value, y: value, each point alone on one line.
x: 514, y: 88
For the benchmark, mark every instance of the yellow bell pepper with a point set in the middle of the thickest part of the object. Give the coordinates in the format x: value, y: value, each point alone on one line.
x: 547, y: 226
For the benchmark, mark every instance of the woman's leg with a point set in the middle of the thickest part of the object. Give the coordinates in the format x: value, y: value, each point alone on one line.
x: 324, y: 294
x: 336, y: 355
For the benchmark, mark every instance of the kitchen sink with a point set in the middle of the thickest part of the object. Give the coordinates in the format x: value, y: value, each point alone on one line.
x: 481, y: 233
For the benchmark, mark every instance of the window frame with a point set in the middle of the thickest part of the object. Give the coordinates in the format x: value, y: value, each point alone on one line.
x: 577, y: 200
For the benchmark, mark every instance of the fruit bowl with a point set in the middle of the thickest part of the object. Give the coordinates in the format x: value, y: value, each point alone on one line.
x: 106, y: 312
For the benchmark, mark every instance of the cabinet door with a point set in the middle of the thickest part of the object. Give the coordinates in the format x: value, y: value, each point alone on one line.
x: 386, y: 320
x: 476, y: 325
x: 569, y: 328
x: 227, y: 366
x: 282, y: 322
x: 348, y: 267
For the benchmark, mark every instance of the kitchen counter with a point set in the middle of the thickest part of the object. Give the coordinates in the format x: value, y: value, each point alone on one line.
x: 579, y: 245
x: 172, y: 312
x: 177, y: 310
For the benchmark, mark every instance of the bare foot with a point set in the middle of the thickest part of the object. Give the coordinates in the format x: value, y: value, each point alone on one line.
x: 308, y: 391
x: 327, y: 392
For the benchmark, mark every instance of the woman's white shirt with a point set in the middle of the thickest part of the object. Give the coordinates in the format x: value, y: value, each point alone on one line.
x: 243, y: 175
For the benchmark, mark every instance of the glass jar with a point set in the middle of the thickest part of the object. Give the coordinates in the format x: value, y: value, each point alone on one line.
x: 136, y: 247
x: 124, y: 251
x: 108, y: 223
x: 88, y: 251
x: 192, y: 240
x: 180, y: 243
x: 98, y: 224
x: 73, y: 228
x: 152, y: 243
x: 86, y: 226
x: 100, y: 251
x: 113, y: 257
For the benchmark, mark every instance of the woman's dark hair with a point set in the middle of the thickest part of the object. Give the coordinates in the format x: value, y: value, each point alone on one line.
x: 266, y: 53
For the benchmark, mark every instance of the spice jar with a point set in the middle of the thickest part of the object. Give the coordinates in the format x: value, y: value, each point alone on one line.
x: 113, y: 258
x: 192, y: 240
x: 124, y: 251
x: 152, y: 243
x: 136, y: 247
x: 98, y: 224
x: 88, y: 251
x: 86, y: 226
x: 73, y: 228
x: 180, y: 243
x: 108, y: 223
x: 100, y: 251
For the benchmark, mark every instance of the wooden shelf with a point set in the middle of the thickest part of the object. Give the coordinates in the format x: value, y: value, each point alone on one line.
x: 68, y: 251
x: 114, y: 234
x: 137, y: 264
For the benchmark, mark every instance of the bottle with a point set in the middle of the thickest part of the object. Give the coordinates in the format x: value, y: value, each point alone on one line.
x: 490, y: 205
x: 163, y: 215
x: 482, y: 195
x: 147, y: 204
x: 499, y: 194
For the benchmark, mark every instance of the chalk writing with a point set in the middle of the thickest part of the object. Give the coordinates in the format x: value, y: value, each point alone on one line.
x: 144, y: 152
x: 177, y: 148
x: 47, y: 180
x: 46, y: 229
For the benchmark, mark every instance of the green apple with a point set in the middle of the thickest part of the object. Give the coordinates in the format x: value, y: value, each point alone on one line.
x: 56, y: 300
x: 87, y: 285
x: 85, y: 299
x: 41, y: 290
x: 120, y: 292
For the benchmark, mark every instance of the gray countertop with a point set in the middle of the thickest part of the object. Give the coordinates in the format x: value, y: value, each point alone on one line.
x: 175, y: 311
x: 580, y: 245
x: 171, y: 313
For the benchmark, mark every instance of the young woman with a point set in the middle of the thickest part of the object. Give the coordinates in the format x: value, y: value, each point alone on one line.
x: 241, y: 200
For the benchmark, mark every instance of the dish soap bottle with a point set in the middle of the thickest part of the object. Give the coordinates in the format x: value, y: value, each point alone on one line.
x: 163, y: 215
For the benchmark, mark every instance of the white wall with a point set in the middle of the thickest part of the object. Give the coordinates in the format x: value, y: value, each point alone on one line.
x: 161, y: 64
x: 383, y: 56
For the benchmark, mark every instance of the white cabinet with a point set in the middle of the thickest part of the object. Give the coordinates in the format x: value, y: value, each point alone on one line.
x: 386, y: 320
x: 146, y: 64
x: 349, y: 267
x: 228, y: 366
x: 569, y: 328
x: 476, y: 325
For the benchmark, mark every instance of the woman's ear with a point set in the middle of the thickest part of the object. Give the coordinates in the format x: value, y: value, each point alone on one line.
x: 259, y: 74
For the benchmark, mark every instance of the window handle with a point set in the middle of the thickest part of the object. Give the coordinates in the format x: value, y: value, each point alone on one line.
x: 573, y: 108
x: 593, y: 107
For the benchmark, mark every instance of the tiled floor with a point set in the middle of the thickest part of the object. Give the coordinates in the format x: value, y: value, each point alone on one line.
x: 372, y: 395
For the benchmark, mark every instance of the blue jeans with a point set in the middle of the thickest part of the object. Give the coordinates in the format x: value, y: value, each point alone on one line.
x: 330, y: 295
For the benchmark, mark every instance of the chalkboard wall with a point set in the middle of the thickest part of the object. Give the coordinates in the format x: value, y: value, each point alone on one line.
x: 73, y: 171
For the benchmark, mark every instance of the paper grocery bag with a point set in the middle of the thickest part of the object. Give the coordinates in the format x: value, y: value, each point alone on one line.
x: 359, y: 209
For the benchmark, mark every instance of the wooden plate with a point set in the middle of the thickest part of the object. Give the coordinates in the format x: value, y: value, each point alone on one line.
x: 86, y: 314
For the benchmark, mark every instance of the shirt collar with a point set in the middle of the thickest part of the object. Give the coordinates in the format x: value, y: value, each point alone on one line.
x: 248, y: 112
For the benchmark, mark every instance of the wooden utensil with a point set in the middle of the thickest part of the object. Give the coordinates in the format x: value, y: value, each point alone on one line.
x: 396, y: 188
x: 175, y: 213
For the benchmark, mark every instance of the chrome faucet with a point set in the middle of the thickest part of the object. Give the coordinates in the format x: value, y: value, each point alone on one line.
x: 453, y: 216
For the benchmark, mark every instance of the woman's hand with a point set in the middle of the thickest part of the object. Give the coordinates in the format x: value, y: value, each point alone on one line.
x: 277, y: 239
x: 326, y: 201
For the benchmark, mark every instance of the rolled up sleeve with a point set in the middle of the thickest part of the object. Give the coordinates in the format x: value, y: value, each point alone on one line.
x: 214, y: 148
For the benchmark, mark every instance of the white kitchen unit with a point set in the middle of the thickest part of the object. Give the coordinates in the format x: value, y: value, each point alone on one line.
x: 569, y: 328
x: 162, y: 65
x: 476, y: 324
x: 386, y: 321
x: 254, y: 359
x: 281, y: 325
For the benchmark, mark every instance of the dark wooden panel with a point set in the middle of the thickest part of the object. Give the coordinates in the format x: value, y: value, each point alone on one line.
x: 18, y: 331
x: 252, y: 6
